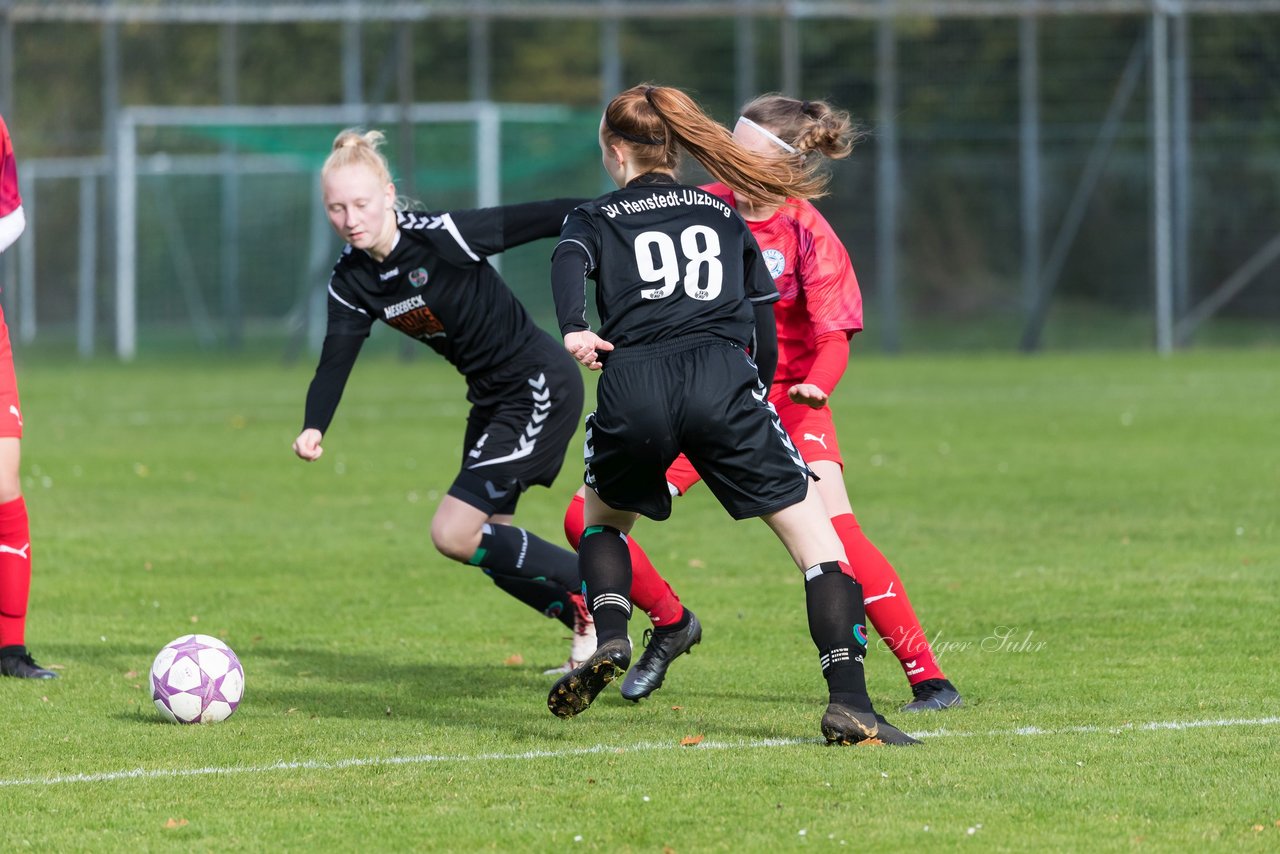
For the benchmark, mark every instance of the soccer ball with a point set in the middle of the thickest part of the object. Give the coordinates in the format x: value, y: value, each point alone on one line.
x: 196, y: 679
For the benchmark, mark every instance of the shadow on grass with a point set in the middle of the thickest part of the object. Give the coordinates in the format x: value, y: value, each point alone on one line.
x: 346, y: 684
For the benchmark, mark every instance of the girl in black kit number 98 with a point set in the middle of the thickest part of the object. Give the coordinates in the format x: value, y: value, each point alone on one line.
x: 682, y: 293
x: 426, y: 274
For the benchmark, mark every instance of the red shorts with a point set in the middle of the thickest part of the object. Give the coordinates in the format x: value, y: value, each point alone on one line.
x: 10, y: 408
x: 813, y: 431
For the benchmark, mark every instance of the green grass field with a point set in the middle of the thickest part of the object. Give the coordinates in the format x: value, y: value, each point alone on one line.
x: 1112, y: 517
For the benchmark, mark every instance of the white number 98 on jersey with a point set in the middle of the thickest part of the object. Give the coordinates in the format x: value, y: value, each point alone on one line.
x: 696, y: 263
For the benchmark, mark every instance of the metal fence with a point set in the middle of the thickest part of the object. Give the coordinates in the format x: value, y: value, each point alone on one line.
x: 1038, y: 173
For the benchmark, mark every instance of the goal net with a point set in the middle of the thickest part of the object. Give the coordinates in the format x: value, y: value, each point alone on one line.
x: 220, y: 234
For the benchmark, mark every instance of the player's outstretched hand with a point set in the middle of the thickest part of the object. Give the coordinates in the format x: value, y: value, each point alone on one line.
x: 808, y: 394
x: 307, y: 445
x: 586, y: 346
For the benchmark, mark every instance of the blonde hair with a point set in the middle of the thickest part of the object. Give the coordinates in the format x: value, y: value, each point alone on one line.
x: 807, y: 126
x: 355, y: 147
x: 655, y: 122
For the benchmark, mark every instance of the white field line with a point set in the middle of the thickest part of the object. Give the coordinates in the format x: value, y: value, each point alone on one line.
x: 425, y: 759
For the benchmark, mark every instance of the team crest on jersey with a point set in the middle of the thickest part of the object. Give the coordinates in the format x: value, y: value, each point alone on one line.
x: 418, y: 277
x: 775, y: 261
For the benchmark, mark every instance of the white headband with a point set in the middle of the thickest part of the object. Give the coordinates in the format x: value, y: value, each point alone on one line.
x: 774, y: 138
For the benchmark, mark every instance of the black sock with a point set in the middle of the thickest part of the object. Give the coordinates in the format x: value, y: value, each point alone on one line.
x: 545, y: 597
x: 604, y: 561
x: 838, y: 626
x: 678, y: 625
x: 515, y: 552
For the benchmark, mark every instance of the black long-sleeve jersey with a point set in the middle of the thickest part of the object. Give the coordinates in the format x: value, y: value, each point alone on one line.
x: 436, y: 286
x: 669, y: 260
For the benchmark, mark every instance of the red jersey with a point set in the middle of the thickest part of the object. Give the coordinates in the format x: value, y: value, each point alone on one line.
x: 812, y: 272
x: 10, y: 200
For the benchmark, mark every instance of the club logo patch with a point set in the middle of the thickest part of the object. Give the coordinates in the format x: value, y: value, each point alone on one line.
x: 775, y: 261
x: 418, y: 277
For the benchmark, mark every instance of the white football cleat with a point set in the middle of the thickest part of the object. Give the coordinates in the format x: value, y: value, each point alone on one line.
x: 584, y: 637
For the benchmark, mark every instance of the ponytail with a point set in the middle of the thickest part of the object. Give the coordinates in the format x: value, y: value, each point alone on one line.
x: 653, y: 120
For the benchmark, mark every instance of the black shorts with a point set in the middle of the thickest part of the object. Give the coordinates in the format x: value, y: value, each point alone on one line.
x: 519, y: 426
x: 701, y: 396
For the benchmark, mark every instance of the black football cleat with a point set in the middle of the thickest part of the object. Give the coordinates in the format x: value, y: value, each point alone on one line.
x: 845, y: 725
x: 576, y: 690
x: 661, y: 648
x: 15, y: 661
x: 933, y: 695
x: 890, y: 734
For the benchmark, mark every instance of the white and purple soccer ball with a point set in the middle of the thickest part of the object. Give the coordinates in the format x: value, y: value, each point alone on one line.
x: 196, y: 679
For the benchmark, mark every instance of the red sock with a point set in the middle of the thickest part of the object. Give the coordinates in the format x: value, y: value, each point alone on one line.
x: 649, y: 591
x: 15, y: 571
x: 888, y: 607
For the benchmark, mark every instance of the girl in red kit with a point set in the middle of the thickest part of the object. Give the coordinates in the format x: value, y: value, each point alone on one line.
x: 15, y: 533
x: 820, y: 310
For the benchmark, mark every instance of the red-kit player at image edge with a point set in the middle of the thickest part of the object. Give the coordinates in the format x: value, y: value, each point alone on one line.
x: 15, y: 539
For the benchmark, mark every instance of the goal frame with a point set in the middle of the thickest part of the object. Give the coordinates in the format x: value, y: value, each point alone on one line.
x: 487, y: 117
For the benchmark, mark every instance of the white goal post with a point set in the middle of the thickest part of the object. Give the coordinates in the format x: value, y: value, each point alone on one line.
x: 486, y: 117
